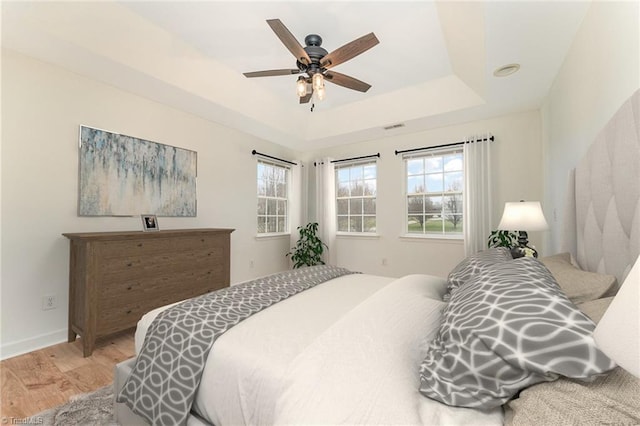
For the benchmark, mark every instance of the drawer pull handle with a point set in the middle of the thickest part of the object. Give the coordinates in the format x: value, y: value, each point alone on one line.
x: 129, y: 264
x: 129, y: 288
x: 139, y: 244
x: 128, y: 312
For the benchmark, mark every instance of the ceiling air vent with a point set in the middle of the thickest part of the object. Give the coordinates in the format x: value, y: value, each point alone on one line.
x: 394, y: 126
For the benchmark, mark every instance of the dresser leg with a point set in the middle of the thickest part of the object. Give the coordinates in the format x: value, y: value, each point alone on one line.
x: 87, y: 346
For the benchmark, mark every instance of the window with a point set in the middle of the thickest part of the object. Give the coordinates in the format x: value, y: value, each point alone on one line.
x: 273, y: 198
x: 356, y: 197
x: 435, y: 188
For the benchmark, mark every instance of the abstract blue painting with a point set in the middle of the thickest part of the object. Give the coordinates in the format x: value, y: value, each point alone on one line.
x: 126, y: 176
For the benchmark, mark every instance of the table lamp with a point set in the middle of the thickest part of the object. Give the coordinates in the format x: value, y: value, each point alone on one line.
x: 523, y: 217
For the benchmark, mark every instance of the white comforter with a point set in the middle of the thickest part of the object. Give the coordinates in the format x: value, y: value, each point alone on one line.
x: 345, y: 352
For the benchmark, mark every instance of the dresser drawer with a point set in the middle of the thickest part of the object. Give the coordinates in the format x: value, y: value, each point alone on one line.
x: 159, y: 246
x: 177, y: 286
x: 162, y: 263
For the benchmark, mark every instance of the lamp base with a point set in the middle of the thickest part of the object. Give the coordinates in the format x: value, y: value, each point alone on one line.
x: 523, y: 250
x: 523, y: 238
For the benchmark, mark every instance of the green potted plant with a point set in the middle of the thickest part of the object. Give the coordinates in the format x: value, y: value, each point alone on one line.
x: 501, y: 238
x: 309, y: 248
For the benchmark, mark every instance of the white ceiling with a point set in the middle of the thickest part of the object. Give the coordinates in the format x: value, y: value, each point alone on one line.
x: 433, y: 67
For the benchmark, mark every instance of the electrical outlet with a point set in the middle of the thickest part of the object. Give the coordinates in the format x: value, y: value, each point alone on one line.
x: 384, y: 261
x: 49, y: 302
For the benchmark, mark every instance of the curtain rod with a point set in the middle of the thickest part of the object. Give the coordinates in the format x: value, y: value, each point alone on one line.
x: 254, y: 152
x: 442, y: 146
x: 357, y: 158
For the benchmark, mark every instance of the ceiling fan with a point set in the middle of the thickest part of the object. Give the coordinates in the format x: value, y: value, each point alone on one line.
x: 314, y: 61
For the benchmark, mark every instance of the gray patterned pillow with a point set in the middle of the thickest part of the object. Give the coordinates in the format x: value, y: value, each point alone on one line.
x: 509, y: 327
x: 473, y: 264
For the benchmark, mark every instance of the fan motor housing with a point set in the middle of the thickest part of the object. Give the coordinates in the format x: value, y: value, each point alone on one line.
x: 316, y: 53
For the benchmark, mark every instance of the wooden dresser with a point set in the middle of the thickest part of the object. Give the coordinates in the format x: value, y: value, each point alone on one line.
x: 116, y: 277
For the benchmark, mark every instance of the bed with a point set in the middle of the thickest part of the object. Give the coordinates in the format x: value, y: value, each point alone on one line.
x: 498, y: 341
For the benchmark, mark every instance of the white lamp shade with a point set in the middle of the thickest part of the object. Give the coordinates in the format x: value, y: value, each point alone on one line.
x: 618, y: 332
x: 523, y: 216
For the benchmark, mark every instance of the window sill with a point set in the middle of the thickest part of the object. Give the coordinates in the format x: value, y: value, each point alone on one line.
x: 272, y: 236
x: 454, y: 239
x: 362, y: 235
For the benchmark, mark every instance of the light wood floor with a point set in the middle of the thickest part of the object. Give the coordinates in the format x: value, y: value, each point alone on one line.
x: 46, y: 378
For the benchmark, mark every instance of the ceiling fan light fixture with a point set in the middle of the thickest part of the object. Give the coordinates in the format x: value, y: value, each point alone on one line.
x: 320, y: 93
x: 301, y: 87
x: 317, y: 81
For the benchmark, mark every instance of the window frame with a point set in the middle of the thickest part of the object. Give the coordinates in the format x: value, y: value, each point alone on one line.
x: 287, y: 199
x: 441, y: 153
x: 349, y: 165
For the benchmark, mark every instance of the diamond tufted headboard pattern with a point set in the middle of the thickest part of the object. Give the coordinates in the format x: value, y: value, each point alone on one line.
x: 607, y: 196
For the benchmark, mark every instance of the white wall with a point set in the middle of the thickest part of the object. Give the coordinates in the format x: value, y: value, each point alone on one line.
x: 42, y: 107
x: 600, y: 71
x: 517, y: 175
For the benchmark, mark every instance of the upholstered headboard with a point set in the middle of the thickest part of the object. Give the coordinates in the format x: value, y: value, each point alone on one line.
x: 604, y: 233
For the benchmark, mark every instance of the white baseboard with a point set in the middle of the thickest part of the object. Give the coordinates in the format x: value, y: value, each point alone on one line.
x: 9, y: 350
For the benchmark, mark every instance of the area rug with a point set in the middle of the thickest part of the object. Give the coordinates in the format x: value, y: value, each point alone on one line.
x: 94, y: 408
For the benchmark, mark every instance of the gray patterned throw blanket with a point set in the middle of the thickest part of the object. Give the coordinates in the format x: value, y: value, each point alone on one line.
x: 167, y: 373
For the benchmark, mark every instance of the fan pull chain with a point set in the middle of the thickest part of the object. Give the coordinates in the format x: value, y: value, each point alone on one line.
x: 313, y: 105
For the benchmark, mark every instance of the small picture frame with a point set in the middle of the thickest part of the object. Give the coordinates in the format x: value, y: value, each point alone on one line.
x: 149, y: 222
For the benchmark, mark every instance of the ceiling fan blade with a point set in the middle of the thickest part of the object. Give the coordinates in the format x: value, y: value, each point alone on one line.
x: 306, y: 98
x: 349, y: 50
x: 289, y: 41
x: 346, y: 81
x: 270, y: 73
